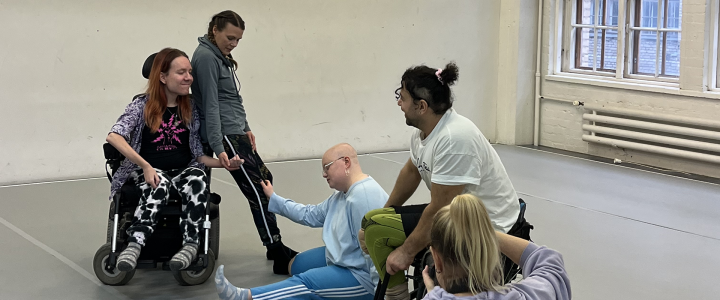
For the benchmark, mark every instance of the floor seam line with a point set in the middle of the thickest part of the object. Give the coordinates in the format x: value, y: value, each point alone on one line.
x: 62, y: 258
x: 619, y: 216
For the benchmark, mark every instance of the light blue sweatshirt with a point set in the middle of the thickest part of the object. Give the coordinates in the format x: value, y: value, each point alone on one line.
x: 544, y: 278
x: 340, y: 217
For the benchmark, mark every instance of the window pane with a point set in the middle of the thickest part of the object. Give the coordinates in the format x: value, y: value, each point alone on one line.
x: 674, y: 14
x: 612, y: 14
x: 586, y: 40
x: 646, y: 53
x: 610, y: 50
x: 648, y: 13
x: 599, y: 50
x: 672, y: 54
x: 586, y: 12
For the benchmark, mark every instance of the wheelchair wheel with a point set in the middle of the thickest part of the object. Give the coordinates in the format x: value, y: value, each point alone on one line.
x: 214, y: 243
x: 116, y: 277
x: 186, y: 277
x: 215, y: 237
x: 419, y: 289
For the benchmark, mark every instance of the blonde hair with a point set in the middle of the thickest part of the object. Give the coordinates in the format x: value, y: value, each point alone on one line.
x: 463, y: 236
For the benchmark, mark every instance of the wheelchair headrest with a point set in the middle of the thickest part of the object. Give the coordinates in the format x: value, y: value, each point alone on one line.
x: 147, y: 66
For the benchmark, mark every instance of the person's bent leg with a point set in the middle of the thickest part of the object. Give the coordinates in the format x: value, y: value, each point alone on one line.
x: 151, y: 201
x: 383, y: 234
x: 365, y: 222
x: 191, y: 184
x: 307, y: 260
x: 386, y: 229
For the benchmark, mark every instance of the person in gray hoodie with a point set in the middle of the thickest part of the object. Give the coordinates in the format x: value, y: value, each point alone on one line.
x: 466, y: 251
x: 224, y: 128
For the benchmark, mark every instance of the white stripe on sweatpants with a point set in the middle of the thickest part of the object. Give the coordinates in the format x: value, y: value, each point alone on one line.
x: 255, y: 190
x: 275, y: 291
x: 341, y: 289
x: 284, y: 293
x: 302, y: 290
x: 342, y: 292
x: 287, y: 296
x: 345, y: 296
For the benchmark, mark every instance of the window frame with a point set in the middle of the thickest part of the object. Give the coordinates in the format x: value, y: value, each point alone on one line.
x: 627, y: 15
x: 597, y: 25
x: 635, y: 19
x: 713, y: 48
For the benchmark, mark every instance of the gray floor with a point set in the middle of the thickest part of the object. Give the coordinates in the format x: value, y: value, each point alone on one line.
x: 625, y: 234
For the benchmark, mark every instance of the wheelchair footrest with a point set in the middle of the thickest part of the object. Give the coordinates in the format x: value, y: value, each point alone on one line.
x: 146, y: 264
x: 200, y: 264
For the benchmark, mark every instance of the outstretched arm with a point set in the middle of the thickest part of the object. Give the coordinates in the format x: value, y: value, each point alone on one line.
x: 308, y: 215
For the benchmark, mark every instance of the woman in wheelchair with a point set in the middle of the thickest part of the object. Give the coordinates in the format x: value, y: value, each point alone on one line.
x: 466, y: 250
x: 158, y: 134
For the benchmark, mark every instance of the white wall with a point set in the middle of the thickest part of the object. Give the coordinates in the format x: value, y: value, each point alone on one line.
x: 560, y: 123
x: 516, y: 72
x: 314, y: 73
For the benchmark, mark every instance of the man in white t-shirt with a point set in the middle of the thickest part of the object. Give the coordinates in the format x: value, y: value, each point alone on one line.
x: 450, y: 154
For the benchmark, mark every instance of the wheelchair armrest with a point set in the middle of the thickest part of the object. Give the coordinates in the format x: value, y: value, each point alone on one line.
x: 111, y: 153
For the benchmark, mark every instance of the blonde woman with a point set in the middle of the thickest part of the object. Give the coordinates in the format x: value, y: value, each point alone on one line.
x: 466, y: 250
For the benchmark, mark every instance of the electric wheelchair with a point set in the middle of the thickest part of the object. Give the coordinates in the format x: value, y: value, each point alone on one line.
x: 166, y: 239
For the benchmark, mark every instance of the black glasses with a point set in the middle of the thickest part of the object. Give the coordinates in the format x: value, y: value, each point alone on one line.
x: 397, y: 93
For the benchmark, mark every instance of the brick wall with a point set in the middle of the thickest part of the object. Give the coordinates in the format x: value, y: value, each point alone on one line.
x: 561, y: 123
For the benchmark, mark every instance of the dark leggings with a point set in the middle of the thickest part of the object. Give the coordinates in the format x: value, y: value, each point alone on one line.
x: 248, y: 179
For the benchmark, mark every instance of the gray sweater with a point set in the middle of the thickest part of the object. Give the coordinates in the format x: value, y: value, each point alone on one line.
x: 217, y: 95
x: 544, y: 279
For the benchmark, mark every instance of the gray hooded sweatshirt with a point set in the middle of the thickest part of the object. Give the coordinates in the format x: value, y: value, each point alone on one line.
x: 216, y: 92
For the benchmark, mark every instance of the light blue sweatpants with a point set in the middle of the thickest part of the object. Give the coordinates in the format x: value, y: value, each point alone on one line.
x: 314, y: 279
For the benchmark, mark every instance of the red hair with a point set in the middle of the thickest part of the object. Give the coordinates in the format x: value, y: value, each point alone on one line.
x: 157, y: 100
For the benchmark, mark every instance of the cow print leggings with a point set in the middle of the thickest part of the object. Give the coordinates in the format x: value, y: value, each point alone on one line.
x: 190, y: 183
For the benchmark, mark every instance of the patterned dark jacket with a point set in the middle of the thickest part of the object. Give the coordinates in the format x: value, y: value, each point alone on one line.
x: 130, y: 125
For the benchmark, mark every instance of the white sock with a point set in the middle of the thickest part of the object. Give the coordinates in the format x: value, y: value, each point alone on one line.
x: 227, y: 291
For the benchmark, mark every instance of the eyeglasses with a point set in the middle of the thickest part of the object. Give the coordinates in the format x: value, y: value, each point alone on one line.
x: 397, y: 93
x: 327, y: 166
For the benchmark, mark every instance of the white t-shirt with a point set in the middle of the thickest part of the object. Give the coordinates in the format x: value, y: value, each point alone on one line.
x: 457, y: 153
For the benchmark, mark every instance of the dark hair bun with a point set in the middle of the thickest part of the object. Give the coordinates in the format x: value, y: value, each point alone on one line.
x: 449, y: 74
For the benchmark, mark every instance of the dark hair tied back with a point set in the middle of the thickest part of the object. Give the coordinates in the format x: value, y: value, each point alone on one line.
x: 425, y: 83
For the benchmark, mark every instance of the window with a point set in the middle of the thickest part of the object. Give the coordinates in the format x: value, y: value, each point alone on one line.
x: 714, y: 76
x: 595, y: 33
x: 656, y: 44
x: 641, y: 36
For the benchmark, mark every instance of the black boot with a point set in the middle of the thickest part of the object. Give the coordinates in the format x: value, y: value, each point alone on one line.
x: 270, y: 254
x: 282, y: 255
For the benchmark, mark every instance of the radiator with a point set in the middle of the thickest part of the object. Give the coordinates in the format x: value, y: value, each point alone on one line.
x: 686, y: 137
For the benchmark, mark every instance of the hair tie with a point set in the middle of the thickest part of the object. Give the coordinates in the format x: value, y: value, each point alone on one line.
x: 439, y: 71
